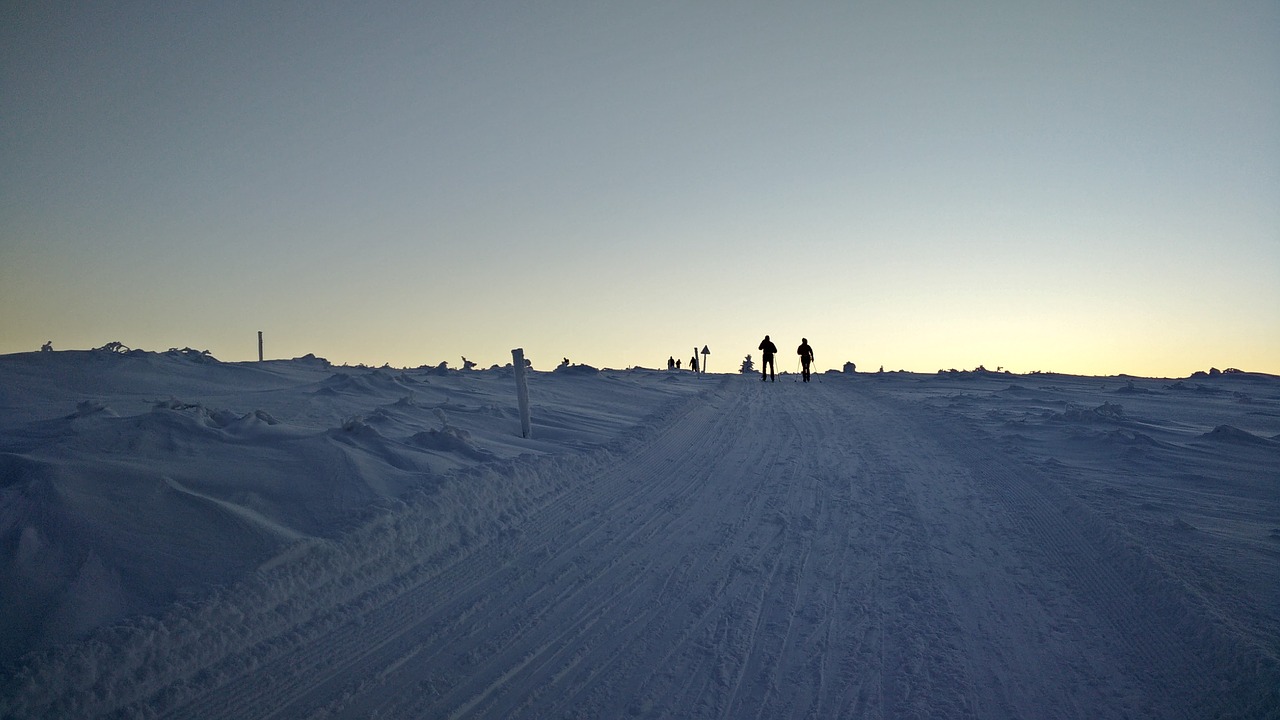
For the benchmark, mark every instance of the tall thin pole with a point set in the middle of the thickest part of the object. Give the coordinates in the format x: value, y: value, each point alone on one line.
x: 522, y: 393
x: 259, y: 346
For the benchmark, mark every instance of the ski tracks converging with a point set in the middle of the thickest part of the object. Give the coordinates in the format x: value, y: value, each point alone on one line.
x: 776, y: 550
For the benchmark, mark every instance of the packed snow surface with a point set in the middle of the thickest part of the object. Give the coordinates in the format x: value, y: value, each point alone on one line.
x: 187, y: 538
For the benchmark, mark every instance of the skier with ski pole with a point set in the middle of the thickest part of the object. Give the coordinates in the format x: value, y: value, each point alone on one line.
x: 806, y: 356
x: 767, y: 350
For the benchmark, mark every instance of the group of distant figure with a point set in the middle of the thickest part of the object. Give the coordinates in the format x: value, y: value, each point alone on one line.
x: 768, y: 350
x: 674, y: 364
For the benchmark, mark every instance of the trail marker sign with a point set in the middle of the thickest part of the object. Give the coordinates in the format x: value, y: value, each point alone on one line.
x: 522, y: 392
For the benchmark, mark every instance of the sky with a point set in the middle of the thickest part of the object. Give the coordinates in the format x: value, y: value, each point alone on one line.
x: 1089, y: 187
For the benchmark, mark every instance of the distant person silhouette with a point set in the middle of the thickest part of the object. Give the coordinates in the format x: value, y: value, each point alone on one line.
x: 693, y: 363
x: 806, y: 356
x: 767, y: 350
x: 671, y: 363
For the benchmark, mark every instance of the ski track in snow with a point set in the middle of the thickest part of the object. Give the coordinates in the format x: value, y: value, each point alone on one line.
x: 774, y: 550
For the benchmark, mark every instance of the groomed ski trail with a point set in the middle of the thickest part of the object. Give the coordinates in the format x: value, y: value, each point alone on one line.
x: 778, y: 550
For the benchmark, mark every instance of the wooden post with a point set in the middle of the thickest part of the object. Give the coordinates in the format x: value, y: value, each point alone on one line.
x: 522, y: 393
x: 259, y: 346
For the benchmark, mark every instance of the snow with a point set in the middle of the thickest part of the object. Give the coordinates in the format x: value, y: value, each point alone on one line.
x: 188, y: 538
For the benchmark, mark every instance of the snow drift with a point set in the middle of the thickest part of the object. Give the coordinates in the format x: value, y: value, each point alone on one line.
x: 188, y: 538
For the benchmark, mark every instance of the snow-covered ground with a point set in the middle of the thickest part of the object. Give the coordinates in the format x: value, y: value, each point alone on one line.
x: 188, y: 538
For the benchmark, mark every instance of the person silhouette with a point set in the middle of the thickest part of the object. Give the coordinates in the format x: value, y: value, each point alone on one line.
x: 806, y: 356
x: 767, y: 350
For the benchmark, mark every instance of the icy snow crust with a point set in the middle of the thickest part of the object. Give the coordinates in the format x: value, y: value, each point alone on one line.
x: 189, y: 538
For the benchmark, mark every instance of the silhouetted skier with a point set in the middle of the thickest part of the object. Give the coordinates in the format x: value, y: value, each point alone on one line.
x: 806, y: 356
x: 767, y: 350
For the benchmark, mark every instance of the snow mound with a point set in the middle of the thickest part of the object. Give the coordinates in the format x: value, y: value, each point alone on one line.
x: 1128, y: 437
x: 85, y: 408
x: 371, y: 383
x: 192, y: 355
x: 251, y: 421
x: 1198, y: 388
x: 450, y: 440
x: 1236, y: 436
x: 311, y: 360
x: 1104, y: 413
x: 1129, y: 388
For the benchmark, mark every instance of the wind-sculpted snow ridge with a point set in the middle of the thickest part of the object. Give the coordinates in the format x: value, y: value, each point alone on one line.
x: 153, y: 664
x: 132, y: 480
x: 1228, y: 434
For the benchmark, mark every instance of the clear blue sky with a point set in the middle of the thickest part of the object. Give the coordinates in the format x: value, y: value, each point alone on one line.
x: 1084, y: 187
